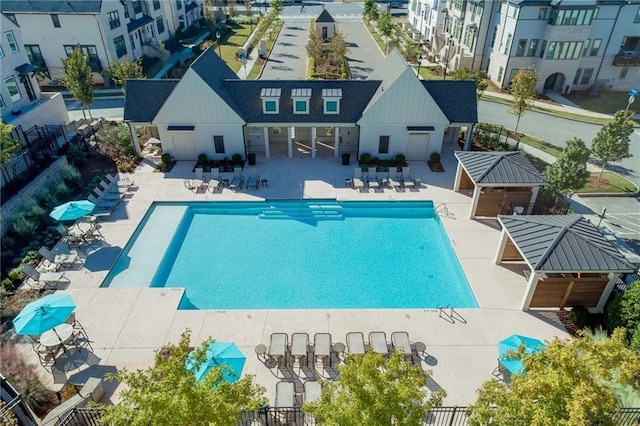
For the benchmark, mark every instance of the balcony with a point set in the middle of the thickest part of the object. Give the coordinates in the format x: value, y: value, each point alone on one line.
x: 627, y: 59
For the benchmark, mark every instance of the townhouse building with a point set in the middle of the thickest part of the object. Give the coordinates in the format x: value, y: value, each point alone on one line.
x: 21, y: 102
x: 105, y: 30
x: 572, y: 44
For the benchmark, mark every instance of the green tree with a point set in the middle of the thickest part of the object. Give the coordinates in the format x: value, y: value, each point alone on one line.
x: 277, y: 6
x: 209, y: 12
x: 337, y: 48
x: 315, y: 47
x: 386, y: 28
x: 372, y: 390
x: 78, y: 78
x: 370, y: 10
x: 119, y: 72
x: 612, y: 141
x: 115, y: 142
x: 8, y: 147
x: 523, y: 90
x: 169, y: 394
x: 624, y: 309
x: 570, y: 383
x: 569, y: 172
x: 247, y: 7
x: 477, y: 75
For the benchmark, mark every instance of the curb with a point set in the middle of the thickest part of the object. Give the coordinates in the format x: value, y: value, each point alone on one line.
x: 606, y: 194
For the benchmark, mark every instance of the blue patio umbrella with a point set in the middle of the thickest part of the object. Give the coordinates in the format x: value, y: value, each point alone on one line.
x: 219, y: 354
x: 511, y: 344
x: 44, y: 314
x: 72, y: 210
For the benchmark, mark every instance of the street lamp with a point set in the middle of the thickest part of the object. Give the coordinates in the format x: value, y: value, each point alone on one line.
x: 446, y: 58
x: 419, y: 64
x: 632, y: 97
x: 218, y: 37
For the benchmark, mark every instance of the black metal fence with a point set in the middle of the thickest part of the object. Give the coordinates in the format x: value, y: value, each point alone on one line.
x: 624, y: 281
x: 38, y: 148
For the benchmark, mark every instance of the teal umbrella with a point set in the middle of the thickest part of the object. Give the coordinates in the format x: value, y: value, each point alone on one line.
x: 219, y: 354
x: 511, y: 344
x: 72, y: 210
x: 43, y: 314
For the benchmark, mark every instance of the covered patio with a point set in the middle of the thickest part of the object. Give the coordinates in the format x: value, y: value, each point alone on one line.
x: 502, y: 182
x: 569, y: 262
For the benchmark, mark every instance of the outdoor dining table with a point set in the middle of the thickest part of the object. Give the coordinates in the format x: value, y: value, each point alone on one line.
x: 80, y: 229
x: 57, y: 336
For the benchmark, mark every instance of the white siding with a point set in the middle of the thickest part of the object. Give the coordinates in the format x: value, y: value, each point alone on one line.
x: 203, y: 141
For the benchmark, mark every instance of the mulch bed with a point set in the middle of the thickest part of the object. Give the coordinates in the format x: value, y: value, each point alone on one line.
x: 435, y: 167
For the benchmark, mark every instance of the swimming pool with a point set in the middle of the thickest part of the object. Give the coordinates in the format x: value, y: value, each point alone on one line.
x: 293, y: 254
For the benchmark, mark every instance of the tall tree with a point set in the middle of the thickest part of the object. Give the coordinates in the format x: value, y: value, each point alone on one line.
x: 569, y: 172
x: 169, y: 394
x: 612, y: 141
x: 8, y: 147
x: 119, y: 72
x: 477, y: 75
x: 386, y: 27
x: 370, y: 10
x: 569, y: 383
x: 337, y: 48
x: 209, y: 12
x: 376, y: 391
x: 523, y: 90
x: 277, y: 6
x: 78, y: 78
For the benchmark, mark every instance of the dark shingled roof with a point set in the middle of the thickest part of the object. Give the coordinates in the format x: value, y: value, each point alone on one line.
x: 134, y: 24
x: 26, y: 67
x: 456, y: 98
x: 563, y: 244
x: 214, y: 71
x: 355, y: 97
x: 500, y: 168
x: 144, y: 98
x: 50, y: 6
x: 325, y: 16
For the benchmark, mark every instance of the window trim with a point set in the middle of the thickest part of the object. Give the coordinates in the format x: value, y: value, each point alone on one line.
x: 160, y: 22
x: 13, y: 45
x: 336, y: 102
x: 266, y: 101
x: 533, y: 47
x: 55, y: 19
x: 521, y: 48
x: 114, y: 19
x: 297, y: 100
x: 2, y: 104
x: 122, y: 50
x: 156, y: 4
x: 17, y: 96
x: 383, y: 144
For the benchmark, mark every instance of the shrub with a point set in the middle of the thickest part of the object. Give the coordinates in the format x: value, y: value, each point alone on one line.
x: 25, y: 227
x: 400, y: 159
x: 236, y: 158
x: 14, y: 274
x: 7, y: 284
x: 203, y: 159
x: 47, y: 199
x: 33, y: 211
x: 365, y: 158
x: 24, y: 377
x: 71, y: 176
x: 61, y: 190
x: 635, y: 339
x: 579, y: 315
x: 623, y: 310
x: 76, y: 156
x: 166, y: 158
x: 435, y: 157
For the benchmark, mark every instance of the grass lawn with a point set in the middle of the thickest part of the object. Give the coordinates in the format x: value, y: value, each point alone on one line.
x: 255, y: 72
x: 229, y: 46
x: 428, y: 74
x: 606, y: 102
x: 154, y: 69
x: 609, y: 183
x: 542, y: 145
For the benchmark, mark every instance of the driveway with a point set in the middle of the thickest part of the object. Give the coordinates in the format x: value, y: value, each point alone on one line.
x: 288, y: 59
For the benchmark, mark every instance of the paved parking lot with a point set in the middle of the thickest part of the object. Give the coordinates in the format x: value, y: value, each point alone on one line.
x: 288, y: 59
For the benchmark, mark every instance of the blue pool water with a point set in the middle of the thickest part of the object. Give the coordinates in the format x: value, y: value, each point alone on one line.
x: 291, y: 254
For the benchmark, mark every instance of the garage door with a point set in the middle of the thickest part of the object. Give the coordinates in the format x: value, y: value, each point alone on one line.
x: 418, y: 146
x: 184, y: 146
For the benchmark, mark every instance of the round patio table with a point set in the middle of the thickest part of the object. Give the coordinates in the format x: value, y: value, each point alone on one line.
x: 57, y: 335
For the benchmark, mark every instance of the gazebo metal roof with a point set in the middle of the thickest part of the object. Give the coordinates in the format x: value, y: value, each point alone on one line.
x: 563, y: 244
x: 496, y: 168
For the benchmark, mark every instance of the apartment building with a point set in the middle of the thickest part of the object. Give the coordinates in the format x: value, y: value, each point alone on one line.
x: 572, y: 44
x: 105, y: 30
x: 21, y: 102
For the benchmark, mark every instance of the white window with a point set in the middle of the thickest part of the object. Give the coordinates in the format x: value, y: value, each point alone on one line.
x: 13, y: 44
x: 331, y: 100
x: 301, y: 97
x: 12, y: 88
x: 270, y: 106
x: 270, y: 100
x: 301, y: 106
x: 331, y: 107
x: 1, y: 102
x: 1, y: 52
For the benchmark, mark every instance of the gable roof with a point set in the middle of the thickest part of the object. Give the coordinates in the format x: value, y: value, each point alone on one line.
x: 325, y: 16
x: 496, y: 168
x: 387, y: 73
x: 51, y: 6
x: 563, y: 243
x: 214, y: 71
x: 144, y: 98
x: 456, y: 98
x: 355, y: 96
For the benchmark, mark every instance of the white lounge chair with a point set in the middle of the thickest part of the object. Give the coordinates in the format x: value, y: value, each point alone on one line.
x: 113, y: 189
x: 214, y: 182
x: 392, y: 179
x: 254, y: 179
x: 401, y: 343
x: 44, y: 279
x: 278, y: 347
x: 299, y: 346
x: 101, y: 204
x: 199, y: 173
x: 238, y: 179
x: 358, y: 183
x: 285, y: 394
x: 120, y: 181
x: 372, y: 178
x: 407, y: 180
x: 355, y: 343
x: 378, y: 342
x: 312, y: 391
x: 104, y: 196
x: 322, y: 346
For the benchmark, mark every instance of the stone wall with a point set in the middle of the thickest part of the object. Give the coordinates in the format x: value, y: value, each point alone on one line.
x: 14, y: 206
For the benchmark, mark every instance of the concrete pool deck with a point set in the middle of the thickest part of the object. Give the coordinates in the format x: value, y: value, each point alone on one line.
x: 126, y: 325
